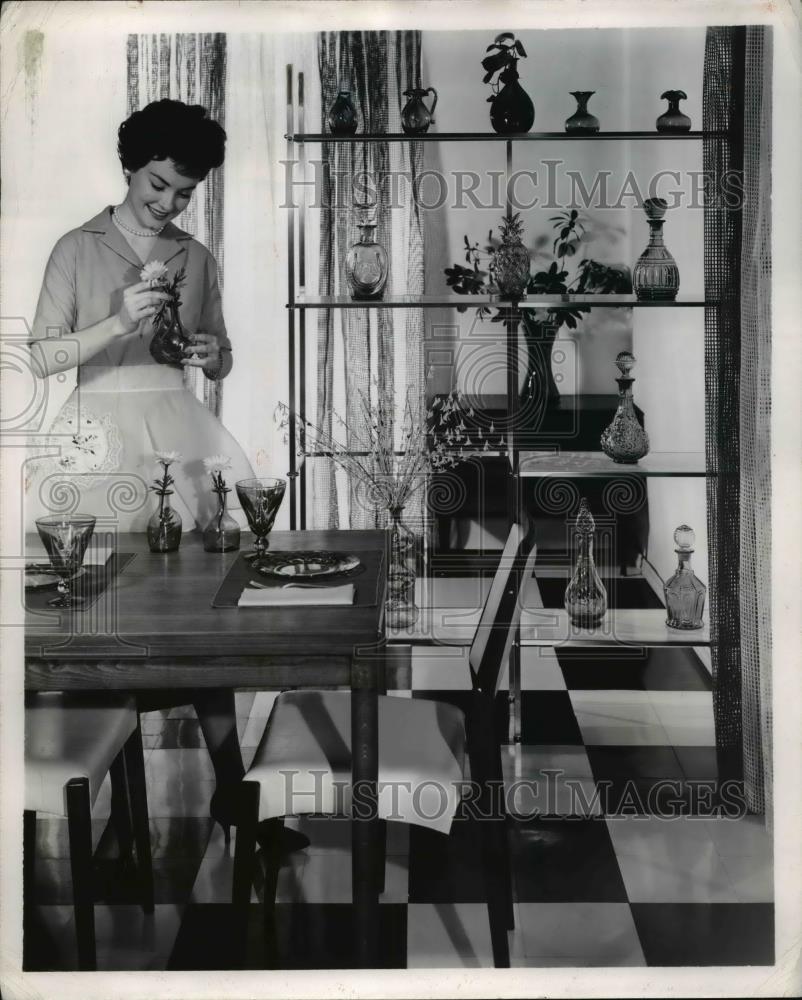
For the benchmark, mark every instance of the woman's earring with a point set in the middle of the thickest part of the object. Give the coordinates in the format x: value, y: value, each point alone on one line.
x: 127, y: 176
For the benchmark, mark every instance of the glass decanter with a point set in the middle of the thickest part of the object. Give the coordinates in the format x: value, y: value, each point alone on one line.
x: 656, y: 275
x: 222, y: 533
x: 684, y: 591
x: 342, y: 114
x: 625, y: 441
x: 366, y: 265
x: 164, y: 527
x: 585, y: 596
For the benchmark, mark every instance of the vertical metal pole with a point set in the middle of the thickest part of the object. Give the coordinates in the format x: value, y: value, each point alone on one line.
x: 302, y: 314
x: 293, y: 472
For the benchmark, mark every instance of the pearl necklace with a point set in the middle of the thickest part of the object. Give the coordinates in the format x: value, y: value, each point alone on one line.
x: 134, y: 232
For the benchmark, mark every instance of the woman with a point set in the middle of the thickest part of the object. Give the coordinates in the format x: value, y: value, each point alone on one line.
x: 126, y: 406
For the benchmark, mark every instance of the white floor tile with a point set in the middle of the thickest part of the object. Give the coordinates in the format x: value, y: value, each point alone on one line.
x: 617, y: 718
x: 448, y: 935
x: 441, y: 668
x: 744, y: 836
x: 669, y: 861
x: 686, y: 716
x: 579, y: 934
x: 752, y: 878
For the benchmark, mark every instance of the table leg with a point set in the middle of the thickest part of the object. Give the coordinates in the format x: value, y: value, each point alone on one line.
x: 364, y: 823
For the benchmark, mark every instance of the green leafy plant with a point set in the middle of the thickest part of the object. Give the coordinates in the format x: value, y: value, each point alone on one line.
x: 587, y: 277
x: 506, y: 53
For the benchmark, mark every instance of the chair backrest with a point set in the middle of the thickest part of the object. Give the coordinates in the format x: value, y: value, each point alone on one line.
x: 502, y: 611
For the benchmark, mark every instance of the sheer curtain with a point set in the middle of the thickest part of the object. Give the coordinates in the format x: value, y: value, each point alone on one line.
x: 189, y: 68
x: 376, y: 353
x: 738, y: 375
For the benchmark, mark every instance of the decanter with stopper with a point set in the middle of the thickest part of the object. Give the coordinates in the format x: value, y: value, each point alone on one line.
x: 655, y: 277
x: 585, y: 596
x: 684, y: 591
x: 625, y: 441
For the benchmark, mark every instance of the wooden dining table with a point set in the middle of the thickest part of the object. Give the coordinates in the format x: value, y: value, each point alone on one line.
x: 155, y: 627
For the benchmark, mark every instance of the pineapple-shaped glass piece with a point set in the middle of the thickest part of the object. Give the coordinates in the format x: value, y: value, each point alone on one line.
x: 585, y: 596
x: 684, y: 592
x: 625, y: 441
x: 510, y: 263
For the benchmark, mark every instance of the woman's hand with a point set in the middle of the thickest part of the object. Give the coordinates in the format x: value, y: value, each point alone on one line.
x: 140, y: 302
x: 204, y: 352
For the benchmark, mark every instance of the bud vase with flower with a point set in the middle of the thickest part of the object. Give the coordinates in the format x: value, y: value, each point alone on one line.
x: 164, y: 527
x: 222, y: 533
x: 170, y: 339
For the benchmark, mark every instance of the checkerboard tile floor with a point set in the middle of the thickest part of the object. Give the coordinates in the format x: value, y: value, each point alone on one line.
x: 612, y: 743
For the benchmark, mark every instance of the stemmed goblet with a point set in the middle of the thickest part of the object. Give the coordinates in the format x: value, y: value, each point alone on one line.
x: 261, y: 499
x: 65, y: 538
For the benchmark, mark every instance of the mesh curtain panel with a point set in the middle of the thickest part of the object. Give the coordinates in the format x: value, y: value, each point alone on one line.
x: 756, y: 425
x: 189, y: 68
x: 375, y: 354
x: 736, y: 99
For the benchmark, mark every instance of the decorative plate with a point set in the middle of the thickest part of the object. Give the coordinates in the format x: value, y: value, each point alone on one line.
x: 303, y: 565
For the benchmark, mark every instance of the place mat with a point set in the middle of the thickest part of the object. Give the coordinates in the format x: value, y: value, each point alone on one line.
x: 365, y: 578
x: 89, y: 585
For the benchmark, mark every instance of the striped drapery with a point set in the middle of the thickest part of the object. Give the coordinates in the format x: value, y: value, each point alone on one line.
x: 189, y: 68
x: 374, y: 352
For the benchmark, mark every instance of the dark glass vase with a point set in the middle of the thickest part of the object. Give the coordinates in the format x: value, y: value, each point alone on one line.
x: 416, y: 117
x: 400, y: 609
x: 511, y: 109
x: 540, y: 391
x: 164, y: 527
x: 366, y: 265
x: 684, y: 591
x: 222, y: 533
x: 168, y: 344
x: 582, y: 122
x: 673, y: 120
x: 656, y: 276
x: 342, y: 114
x: 625, y: 441
x: 585, y: 596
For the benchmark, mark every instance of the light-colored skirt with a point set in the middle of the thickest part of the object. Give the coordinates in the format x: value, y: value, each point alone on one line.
x: 100, y: 457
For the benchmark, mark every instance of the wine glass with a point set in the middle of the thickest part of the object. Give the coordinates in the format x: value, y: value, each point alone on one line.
x: 65, y: 538
x: 261, y: 499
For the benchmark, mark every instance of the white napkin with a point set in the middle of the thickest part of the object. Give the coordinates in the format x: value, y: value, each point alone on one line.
x: 95, y: 555
x: 289, y: 595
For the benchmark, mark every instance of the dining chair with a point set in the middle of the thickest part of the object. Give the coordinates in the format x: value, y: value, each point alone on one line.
x: 72, y: 741
x: 303, y: 761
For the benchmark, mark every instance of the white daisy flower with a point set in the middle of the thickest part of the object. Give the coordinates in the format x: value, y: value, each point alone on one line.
x: 154, y: 271
x: 166, y: 458
x: 216, y: 463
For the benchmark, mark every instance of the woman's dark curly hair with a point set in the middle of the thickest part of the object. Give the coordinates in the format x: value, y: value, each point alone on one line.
x: 172, y: 130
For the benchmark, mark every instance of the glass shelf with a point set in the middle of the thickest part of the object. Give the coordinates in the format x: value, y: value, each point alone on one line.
x: 571, y: 464
x: 303, y: 137
x: 449, y: 300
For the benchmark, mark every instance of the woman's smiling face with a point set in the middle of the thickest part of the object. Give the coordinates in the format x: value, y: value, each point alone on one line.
x: 157, y: 193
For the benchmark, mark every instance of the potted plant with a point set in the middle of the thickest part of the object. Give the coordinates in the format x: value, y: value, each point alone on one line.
x: 511, y: 108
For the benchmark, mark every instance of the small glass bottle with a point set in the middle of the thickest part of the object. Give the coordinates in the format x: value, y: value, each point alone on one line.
x: 168, y: 342
x: 222, y: 533
x: 342, y: 114
x: 656, y: 275
x: 684, y: 592
x: 164, y: 526
x: 673, y: 120
x: 366, y: 265
x: 625, y: 441
x: 582, y: 122
x: 585, y: 596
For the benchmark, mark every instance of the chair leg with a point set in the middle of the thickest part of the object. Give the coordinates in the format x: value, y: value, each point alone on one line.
x: 497, y: 899
x: 120, y: 808
x: 134, y: 759
x: 381, y: 855
x: 271, y: 846
x: 79, y: 824
x: 28, y: 880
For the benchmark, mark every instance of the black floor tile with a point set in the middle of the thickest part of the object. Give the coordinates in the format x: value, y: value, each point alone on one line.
x: 564, y: 861
x: 622, y: 592
x: 548, y: 717
x: 446, y: 868
x: 705, y: 933
x: 308, y: 936
x: 655, y: 669
x: 633, y: 762
x: 41, y: 952
x: 114, y: 883
x: 462, y: 699
x: 179, y: 837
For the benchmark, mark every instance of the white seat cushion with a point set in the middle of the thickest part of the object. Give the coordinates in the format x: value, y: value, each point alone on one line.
x: 303, y: 762
x: 72, y: 736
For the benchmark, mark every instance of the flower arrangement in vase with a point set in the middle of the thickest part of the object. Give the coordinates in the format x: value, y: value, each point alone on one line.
x: 388, y: 465
x: 511, y: 108
x: 222, y: 533
x: 164, y: 526
x: 169, y: 337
